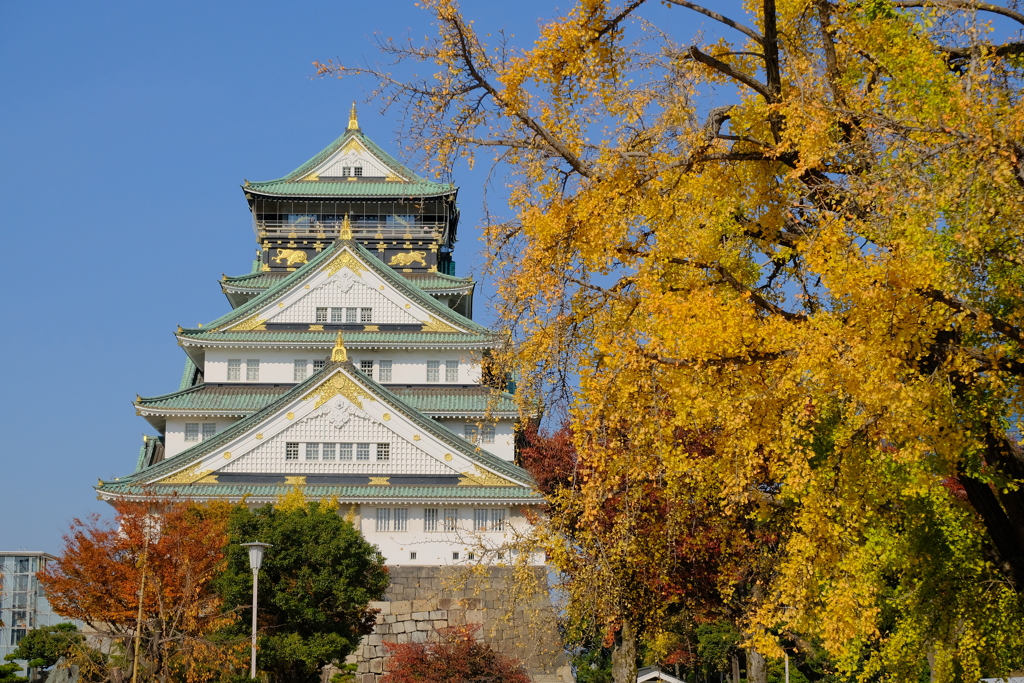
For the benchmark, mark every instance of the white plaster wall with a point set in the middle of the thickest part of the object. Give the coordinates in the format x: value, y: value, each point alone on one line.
x: 344, y: 290
x: 504, y: 445
x: 436, y: 548
x: 174, y: 437
x: 410, y: 367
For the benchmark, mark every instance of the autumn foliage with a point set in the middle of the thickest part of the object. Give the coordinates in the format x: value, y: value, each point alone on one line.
x: 169, y: 553
x: 454, y: 656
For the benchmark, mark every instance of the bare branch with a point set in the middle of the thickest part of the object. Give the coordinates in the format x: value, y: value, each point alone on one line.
x: 1001, y: 326
x: 745, y: 359
x: 961, y: 5
x: 749, y: 32
x: 732, y: 73
x: 756, y: 298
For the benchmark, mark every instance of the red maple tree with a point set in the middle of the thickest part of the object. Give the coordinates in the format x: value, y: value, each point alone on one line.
x: 456, y: 656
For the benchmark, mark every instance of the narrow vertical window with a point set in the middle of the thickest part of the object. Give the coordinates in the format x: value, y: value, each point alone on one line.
x: 351, y: 315
x: 301, y: 365
x: 480, y: 519
x: 451, y: 371
x: 362, y: 451
x: 471, y: 433
x: 412, y: 556
x: 430, y: 519
x: 498, y: 519
x: 433, y: 371
x: 366, y: 315
x: 321, y: 315
x: 399, y: 518
x: 319, y: 365
x: 209, y: 429
x: 312, y: 451
x: 367, y: 367
x: 234, y: 369
x: 337, y: 315
x: 455, y: 555
x: 487, y: 434
x: 344, y: 451
x: 383, y: 519
x: 451, y: 519
x: 384, y: 371
x: 191, y: 431
x: 291, y: 451
x: 252, y: 370
x: 329, y: 450
x: 383, y: 452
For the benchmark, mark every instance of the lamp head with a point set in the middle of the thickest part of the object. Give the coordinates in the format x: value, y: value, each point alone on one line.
x: 255, y: 553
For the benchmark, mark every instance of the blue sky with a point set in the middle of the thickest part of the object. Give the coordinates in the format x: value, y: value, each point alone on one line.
x: 125, y: 131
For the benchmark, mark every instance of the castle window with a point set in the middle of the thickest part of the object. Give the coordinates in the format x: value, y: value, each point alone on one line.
x: 301, y: 365
x: 455, y: 555
x: 291, y: 451
x: 357, y: 171
x: 498, y: 519
x: 367, y: 367
x: 209, y: 429
x: 383, y: 519
x: 362, y: 451
x: 383, y: 452
x: 321, y: 315
x: 344, y: 451
x: 433, y: 371
x: 412, y: 556
x: 470, y: 555
x: 351, y: 315
x: 329, y: 450
x: 399, y: 518
x: 234, y: 369
x: 480, y: 518
x: 252, y: 370
x: 451, y: 519
x: 337, y: 315
x: 319, y: 365
x: 430, y: 519
x: 312, y: 451
x: 384, y: 371
x: 191, y: 431
x: 366, y: 315
x: 451, y: 371
x: 346, y: 170
x: 479, y: 434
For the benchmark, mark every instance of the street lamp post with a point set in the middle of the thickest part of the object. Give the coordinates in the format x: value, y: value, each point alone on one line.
x: 255, y: 560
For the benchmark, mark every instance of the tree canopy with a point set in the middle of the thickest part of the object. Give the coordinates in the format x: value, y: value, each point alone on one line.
x: 454, y: 656
x: 804, y: 240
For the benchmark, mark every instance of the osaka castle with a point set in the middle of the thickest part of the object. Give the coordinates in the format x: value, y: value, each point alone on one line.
x: 348, y: 365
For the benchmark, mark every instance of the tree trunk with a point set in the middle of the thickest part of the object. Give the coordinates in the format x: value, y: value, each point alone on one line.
x: 735, y: 668
x: 757, y: 671
x: 624, y: 655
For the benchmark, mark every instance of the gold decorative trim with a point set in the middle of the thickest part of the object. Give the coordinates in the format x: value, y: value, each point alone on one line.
x: 338, y: 385
x: 338, y: 353
x: 380, y: 481
x: 415, y: 437
x: 185, y: 476
x: 344, y: 260
x: 483, y: 478
x: 227, y: 455
x: 280, y: 304
x: 346, y: 229
x: 387, y: 416
x: 409, y: 258
x: 211, y: 479
x: 435, y: 325
x: 371, y: 328
x: 259, y: 436
x: 290, y: 416
x: 316, y: 328
x: 311, y: 178
x: 448, y: 457
x: 249, y: 324
x: 353, y: 120
x: 295, y: 481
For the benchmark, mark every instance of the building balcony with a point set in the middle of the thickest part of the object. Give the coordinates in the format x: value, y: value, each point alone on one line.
x: 364, y: 229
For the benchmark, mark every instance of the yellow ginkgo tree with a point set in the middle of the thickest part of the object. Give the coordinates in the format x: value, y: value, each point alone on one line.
x: 809, y: 237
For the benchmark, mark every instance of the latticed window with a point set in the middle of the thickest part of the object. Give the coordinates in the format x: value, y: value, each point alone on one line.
x: 366, y: 315
x: 191, y: 431
x: 329, y: 450
x: 235, y: 370
x: 451, y: 371
x: 399, y: 519
x: 451, y: 519
x: 433, y: 371
x: 430, y: 519
x: 471, y: 433
x: 319, y: 365
x: 351, y: 315
x: 346, y: 170
x: 480, y: 518
x: 383, y: 452
x: 384, y: 371
x: 383, y: 519
x: 301, y: 365
x: 362, y: 451
x: 312, y: 451
x: 487, y: 434
x: 337, y: 315
x: 321, y: 315
x: 498, y: 519
x: 344, y: 451
x: 252, y: 370
x: 209, y: 429
x: 367, y: 367
x: 357, y: 171
x: 291, y: 451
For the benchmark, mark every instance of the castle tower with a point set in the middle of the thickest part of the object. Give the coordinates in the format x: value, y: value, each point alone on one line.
x: 349, y: 364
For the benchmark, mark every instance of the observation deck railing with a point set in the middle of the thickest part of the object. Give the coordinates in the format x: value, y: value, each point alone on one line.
x: 361, y: 229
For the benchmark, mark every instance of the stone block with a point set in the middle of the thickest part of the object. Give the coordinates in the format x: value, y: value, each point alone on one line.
x: 367, y: 678
x: 402, y: 638
x: 418, y: 637
x: 440, y: 623
x: 374, y: 640
x: 421, y: 605
x: 438, y: 614
x: 389, y: 619
x: 401, y: 607
x: 379, y: 619
x: 384, y: 607
x: 420, y: 616
x: 445, y: 603
x: 398, y: 627
x: 423, y: 626
x: 405, y: 616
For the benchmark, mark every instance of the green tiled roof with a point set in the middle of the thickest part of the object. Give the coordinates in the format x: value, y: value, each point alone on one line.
x: 187, y: 374
x: 440, y: 281
x: 254, y: 280
x: 295, y: 278
x: 344, y: 493
x: 292, y: 184
x: 352, y: 339
x: 243, y: 399
x: 439, y: 431
x: 265, y: 280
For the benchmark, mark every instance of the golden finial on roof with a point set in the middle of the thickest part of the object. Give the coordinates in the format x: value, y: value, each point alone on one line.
x: 346, y: 229
x: 353, y: 122
x: 339, y: 353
